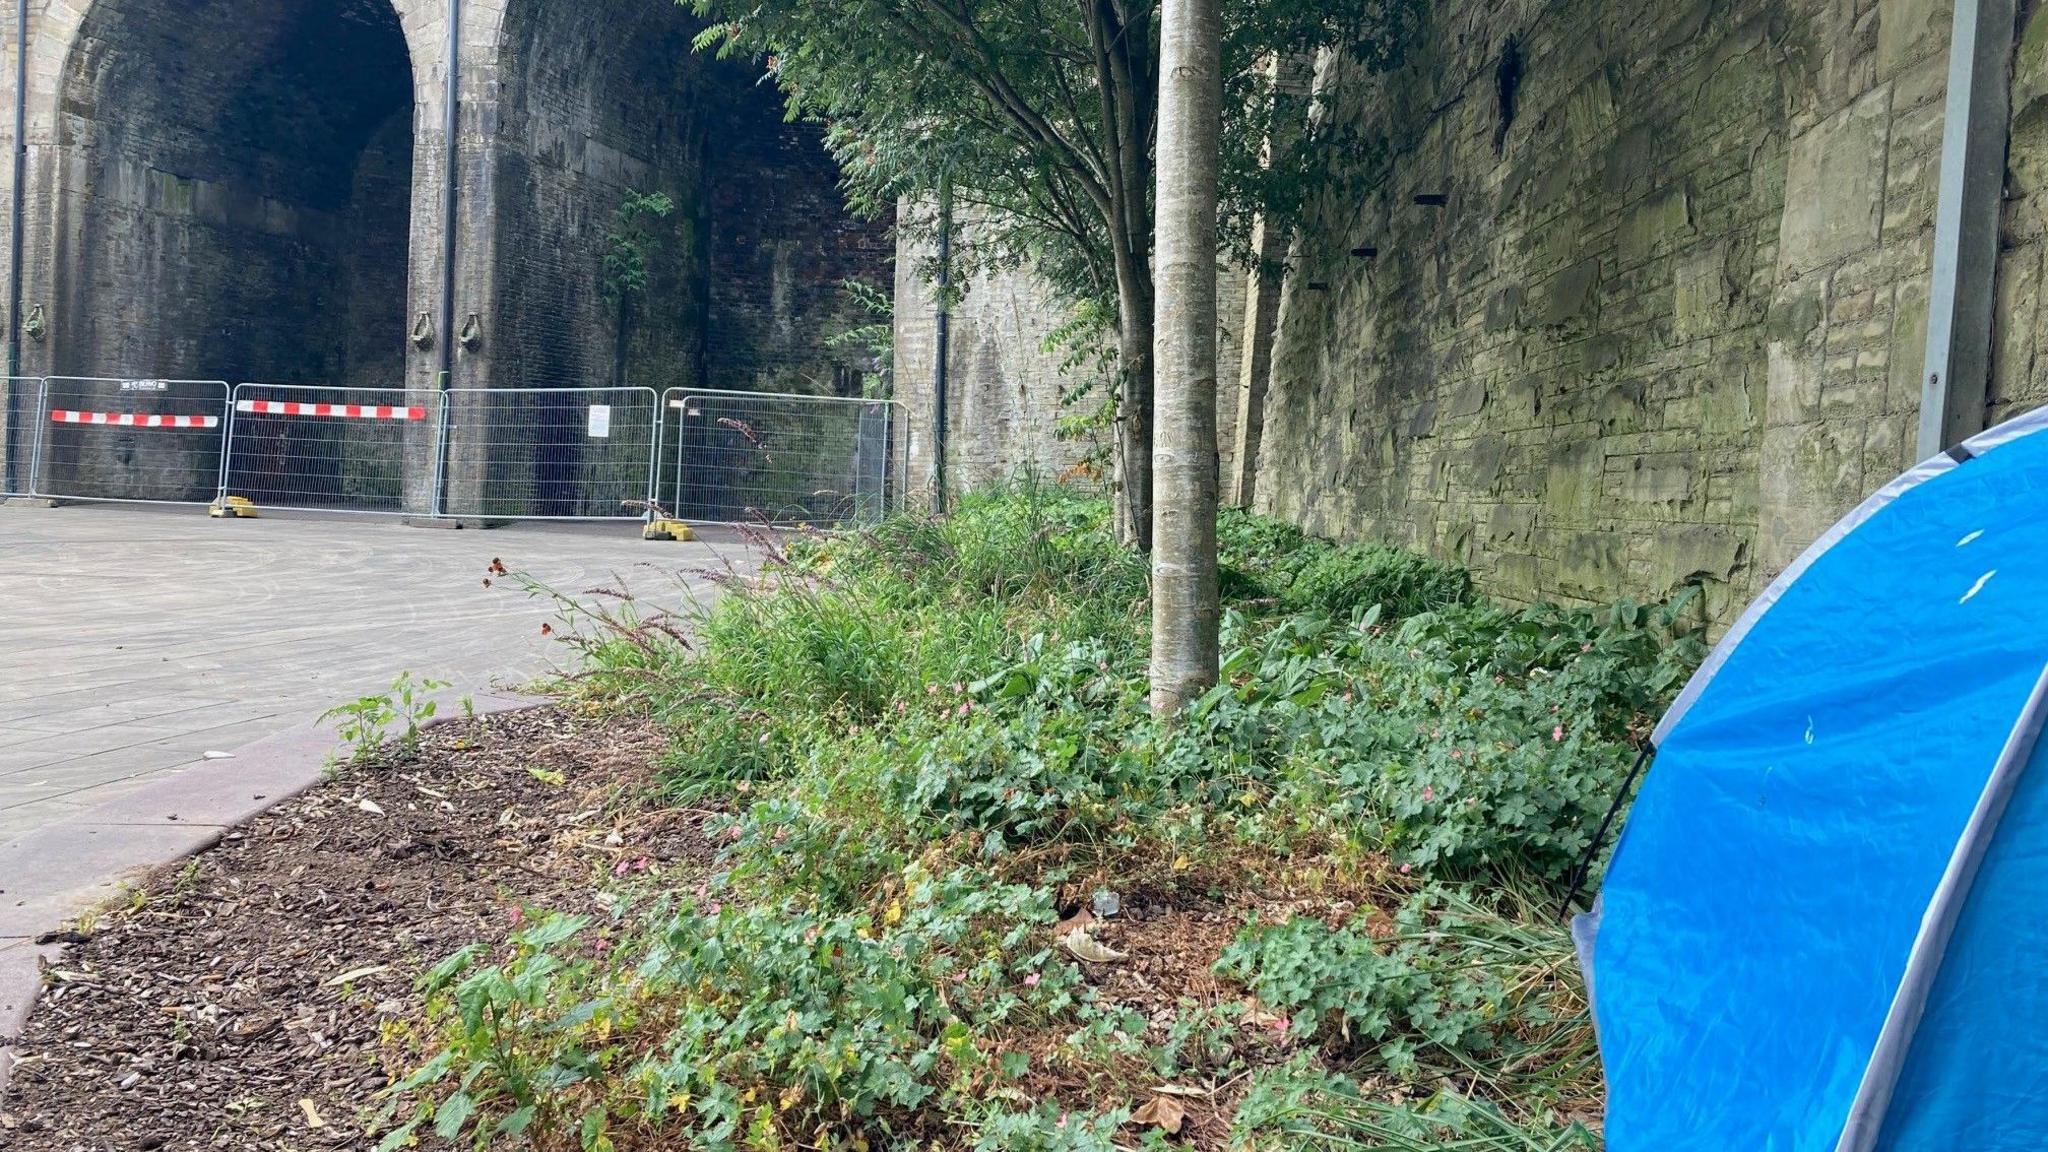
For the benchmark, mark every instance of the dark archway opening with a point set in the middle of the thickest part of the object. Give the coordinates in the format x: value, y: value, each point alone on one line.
x: 237, y: 199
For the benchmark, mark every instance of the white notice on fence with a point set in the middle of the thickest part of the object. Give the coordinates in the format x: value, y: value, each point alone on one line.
x: 601, y: 421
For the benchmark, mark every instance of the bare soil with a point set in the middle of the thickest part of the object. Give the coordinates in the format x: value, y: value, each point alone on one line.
x: 242, y: 1001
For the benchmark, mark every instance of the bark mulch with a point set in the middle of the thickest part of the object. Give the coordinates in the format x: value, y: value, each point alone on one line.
x: 238, y: 1002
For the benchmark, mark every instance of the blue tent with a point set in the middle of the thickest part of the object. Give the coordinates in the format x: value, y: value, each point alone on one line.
x: 1825, y: 926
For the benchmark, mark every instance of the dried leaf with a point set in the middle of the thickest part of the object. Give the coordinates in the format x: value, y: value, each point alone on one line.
x: 355, y: 974
x: 1257, y: 1015
x: 313, y: 1119
x: 1162, y: 1112
x: 1073, y: 924
x: 1088, y: 948
x: 369, y: 806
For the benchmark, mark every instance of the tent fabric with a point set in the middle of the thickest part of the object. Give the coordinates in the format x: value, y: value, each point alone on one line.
x: 1811, y: 792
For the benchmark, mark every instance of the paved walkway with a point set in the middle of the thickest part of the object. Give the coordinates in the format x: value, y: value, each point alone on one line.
x: 135, y: 641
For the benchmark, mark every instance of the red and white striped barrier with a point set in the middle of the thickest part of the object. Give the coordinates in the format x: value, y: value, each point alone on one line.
x: 329, y: 411
x: 132, y: 419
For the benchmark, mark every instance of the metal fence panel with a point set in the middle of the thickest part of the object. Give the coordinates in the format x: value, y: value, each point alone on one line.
x: 771, y: 458
x: 20, y: 406
x: 550, y: 453
x: 325, y: 448
x: 140, y: 441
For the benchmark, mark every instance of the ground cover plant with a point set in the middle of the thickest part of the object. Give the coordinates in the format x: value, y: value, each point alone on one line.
x: 970, y: 895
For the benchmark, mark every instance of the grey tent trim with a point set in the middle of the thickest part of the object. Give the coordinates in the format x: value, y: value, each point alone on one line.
x: 1927, y: 470
x: 1937, y: 926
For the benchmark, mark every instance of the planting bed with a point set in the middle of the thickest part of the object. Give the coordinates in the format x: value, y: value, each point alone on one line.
x: 244, y: 1001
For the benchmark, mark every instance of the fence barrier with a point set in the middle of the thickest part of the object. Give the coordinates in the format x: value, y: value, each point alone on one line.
x: 20, y: 402
x: 323, y: 448
x: 495, y: 454
x: 773, y: 458
x: 141, y: 441
x: 549, y: 453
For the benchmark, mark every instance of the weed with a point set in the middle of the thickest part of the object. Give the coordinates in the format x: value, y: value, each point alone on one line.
x: 367, y: 722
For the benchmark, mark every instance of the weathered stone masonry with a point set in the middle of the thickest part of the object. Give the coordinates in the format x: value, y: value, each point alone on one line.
x: 1666, y: 327
x: 251, y: 190
x: 1668, y: 322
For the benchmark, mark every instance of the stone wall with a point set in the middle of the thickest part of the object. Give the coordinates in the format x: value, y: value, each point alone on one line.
x: 1627, y: 304
x: 1005, y: 387
x: 1668, y: 323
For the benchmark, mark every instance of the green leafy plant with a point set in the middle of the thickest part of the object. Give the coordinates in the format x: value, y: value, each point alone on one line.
x: 368, y: 721
x: 877, y: 338
x: 631, y: 244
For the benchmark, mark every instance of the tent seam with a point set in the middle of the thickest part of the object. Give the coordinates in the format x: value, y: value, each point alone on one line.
x: 1874, y: 1094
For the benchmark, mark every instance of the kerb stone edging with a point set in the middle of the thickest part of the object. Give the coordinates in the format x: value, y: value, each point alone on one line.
x: 53, y: 875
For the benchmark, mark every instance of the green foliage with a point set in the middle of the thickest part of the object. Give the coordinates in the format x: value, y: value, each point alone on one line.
x: 1028, y: 111
x: 632, y: 243
x: 367, y: 722
x: 926, y: 735
x: 876, y: 338
x: 1271, y: 559
x: 1442, y: 980
x: 778, y: 1015
x: 1297, y: 1107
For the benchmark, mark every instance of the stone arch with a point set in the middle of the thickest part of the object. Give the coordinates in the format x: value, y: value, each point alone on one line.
x: 233, y: 189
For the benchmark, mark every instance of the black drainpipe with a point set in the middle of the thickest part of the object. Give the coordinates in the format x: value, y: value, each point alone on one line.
x: 14, y: 405
x: 451, y: 150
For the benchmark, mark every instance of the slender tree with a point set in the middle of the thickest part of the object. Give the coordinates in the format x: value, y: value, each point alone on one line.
x: 1184, y: 597
x: 1041, y: 114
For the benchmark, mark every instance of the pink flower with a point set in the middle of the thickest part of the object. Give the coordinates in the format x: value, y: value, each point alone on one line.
x: 1031, y: 981
x: 733, y: 833
x: 1429, y: 793
x: 964, y: 709
x: 1406, y: 868
x: 1557, y: 734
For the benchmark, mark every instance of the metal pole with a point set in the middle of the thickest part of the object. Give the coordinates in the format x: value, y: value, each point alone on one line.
x: 1960, y: 294
x: 943, y: 343
x: 20, y: 184
x: 451, y: 155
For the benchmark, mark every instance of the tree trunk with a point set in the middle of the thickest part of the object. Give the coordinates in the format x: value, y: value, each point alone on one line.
x: 1133, y: 446
x: 1184, y: 600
